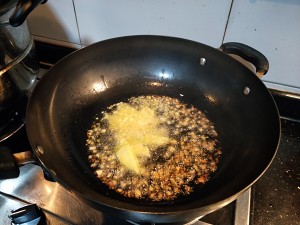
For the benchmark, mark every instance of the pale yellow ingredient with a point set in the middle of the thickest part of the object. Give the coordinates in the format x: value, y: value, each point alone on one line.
x: 136, y: 132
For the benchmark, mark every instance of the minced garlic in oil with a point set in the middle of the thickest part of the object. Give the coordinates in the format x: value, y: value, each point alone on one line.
x: 136, y: 131
x: 153, y: 147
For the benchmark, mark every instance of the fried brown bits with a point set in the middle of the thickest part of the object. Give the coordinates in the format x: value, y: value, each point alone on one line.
x: 153, y: 147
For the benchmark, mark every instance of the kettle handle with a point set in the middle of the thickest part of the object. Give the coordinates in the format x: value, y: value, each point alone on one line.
x: 23, y: 8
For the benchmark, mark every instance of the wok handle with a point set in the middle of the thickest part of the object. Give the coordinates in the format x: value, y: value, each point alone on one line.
x: 10, y: 163
x: 248, y: 53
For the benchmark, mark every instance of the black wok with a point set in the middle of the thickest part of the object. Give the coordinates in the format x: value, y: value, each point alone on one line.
x: 68, y: 97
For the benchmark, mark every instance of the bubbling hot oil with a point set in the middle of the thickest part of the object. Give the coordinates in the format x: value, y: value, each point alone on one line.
x: 153, y: 147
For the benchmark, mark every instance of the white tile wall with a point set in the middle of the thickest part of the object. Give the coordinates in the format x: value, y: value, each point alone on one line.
x: 199, y: 20
x: 272, y: 27
x: 55, y: 22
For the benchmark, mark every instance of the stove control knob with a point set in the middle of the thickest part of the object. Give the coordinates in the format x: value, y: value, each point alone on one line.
x: 27, y: 215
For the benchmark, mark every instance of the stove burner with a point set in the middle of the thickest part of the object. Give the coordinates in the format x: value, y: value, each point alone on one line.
x: 224, y: 215
x: 13, y: 120
x: 193, y: 222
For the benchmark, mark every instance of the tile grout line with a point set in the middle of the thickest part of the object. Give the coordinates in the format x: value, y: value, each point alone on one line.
x: 74, y: 8
x: 227, y: 21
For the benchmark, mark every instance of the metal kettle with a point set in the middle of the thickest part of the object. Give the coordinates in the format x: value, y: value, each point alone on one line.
x: 18, y: 60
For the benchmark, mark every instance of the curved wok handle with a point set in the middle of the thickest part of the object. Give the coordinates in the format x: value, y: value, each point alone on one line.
x: 9, y: 163
x: 248, y: 53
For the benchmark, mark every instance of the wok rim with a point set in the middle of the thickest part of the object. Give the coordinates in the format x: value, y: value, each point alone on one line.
x: 153, y: 210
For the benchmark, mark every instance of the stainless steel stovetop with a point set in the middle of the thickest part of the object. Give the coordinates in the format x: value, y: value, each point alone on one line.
x: 62, y: 207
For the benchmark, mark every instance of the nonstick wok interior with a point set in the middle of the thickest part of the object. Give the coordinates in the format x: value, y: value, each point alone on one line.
x: 74, y: 91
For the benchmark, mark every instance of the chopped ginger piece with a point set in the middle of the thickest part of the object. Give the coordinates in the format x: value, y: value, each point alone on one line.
x: 128, y: 158
x: 136, y: 131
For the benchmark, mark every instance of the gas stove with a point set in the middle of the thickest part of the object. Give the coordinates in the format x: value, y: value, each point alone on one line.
x: 62, y: 207
x: 274, y: 199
